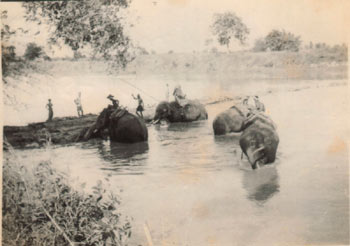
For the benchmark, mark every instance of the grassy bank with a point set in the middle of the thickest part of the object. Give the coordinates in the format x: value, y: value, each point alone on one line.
x: 40, y: 207
x: 244, y: 65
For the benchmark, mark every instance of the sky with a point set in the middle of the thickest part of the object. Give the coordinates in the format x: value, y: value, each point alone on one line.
x: 184, y: 25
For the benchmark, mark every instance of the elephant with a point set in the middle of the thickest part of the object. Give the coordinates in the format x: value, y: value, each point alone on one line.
x: 231, y: 120
x: 173, y: 112
x: 259, y: 140
x: 122, y: 126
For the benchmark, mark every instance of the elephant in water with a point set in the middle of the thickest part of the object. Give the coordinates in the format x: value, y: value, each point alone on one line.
x: 259, y: 140
x: 173, y: 112
x: 231, y: 120
x: 122, y: 126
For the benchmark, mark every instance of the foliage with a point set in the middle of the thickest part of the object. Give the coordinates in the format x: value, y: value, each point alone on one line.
x: 33, y: 51
x: 78, y: 55
x: 41, y: 208
x: 281, y: 40
x: 259, y: 45
x: 227, y: 26
x: 94, y: 23
x: 8, y: 51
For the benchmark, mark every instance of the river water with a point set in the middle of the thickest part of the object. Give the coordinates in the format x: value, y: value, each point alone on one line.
x: 188, y: 187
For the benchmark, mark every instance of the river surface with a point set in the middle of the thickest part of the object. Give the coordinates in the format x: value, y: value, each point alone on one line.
x: 188, y: 187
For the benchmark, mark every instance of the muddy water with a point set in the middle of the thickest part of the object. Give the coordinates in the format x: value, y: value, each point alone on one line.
x: 191, y: 188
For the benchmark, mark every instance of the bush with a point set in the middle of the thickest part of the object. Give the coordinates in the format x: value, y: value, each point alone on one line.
x: 278, y: 41
x: 8, y: 55
x: 41, y: 208
x: 259, y: 45
x: 33, y: 51
x: 77, y: 55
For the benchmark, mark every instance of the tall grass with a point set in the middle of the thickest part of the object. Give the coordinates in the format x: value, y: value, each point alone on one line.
x: 40, y: 207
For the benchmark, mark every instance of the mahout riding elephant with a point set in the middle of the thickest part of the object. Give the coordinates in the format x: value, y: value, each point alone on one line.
x: 122, y: 126
x: 259, y: 140
x: 231, y: 120
x: 173, y: 112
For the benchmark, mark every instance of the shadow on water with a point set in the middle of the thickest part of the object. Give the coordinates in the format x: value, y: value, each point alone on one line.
x: 124, y: 158
x: 261, y: 184
x: 227, y: 139
x: 181, y: 126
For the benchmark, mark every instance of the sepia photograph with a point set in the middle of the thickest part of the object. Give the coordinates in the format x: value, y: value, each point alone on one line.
x: 175, y: 122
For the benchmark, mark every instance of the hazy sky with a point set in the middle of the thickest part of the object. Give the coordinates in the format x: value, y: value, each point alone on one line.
x: 183, y: 25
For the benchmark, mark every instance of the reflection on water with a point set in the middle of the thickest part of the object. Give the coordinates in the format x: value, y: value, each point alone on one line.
x: 261, y: 184
x: 123, y: 158
x: 227, y: 139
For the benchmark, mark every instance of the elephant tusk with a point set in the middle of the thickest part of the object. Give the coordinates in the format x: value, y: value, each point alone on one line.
x: 155, y: 121
x: 257, y: 150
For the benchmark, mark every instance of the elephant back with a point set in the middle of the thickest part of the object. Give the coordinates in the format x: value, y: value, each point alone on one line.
x: 194, y: 110
x: 128, y: 129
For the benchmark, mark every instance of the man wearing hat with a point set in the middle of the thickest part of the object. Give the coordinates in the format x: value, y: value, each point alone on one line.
x: 259, y: 105
x: 115, y: 102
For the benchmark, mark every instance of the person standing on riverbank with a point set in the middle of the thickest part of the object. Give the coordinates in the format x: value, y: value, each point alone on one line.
x: 77, y: 101
x: 49, y: 106
x: 140, y: 106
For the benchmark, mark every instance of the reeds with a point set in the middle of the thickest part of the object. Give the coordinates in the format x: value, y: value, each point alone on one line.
x: 40, y: 207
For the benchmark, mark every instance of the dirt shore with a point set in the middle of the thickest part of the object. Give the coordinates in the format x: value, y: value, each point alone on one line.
x: 60, y: 130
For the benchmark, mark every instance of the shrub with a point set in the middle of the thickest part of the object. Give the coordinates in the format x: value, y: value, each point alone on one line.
x: 77, y: 55
x: 41, y: 208
x: 259, y: 45
x: 282, y: 40
x: 33, y: 51
x: 8, y: 55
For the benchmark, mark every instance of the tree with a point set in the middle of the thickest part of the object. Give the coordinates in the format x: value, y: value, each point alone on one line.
x: 281, y: 40
x: 94, y: 23
x: 8, y: 51
x: 227, y: 26
x: 33, y: 51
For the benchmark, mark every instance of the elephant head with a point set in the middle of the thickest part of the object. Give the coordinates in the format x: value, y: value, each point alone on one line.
x: 163, y: 112
x: 103, y: 119
x: 259, y: 144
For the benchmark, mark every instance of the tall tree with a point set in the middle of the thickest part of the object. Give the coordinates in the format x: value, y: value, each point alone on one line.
x: 94, y: 23
x: 227, y: 26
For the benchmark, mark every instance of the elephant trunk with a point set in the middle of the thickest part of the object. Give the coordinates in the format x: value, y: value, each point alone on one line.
x: 255, y: 156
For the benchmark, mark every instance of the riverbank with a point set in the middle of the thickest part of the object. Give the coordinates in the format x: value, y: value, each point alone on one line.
x: 234, y: 66
x: 62, y: 130
x: 42, y: 206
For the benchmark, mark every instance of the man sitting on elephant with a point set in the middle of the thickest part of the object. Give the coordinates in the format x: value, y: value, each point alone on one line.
x: 253, y: 105
x: 180, y: 97
x: 115, y: 102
